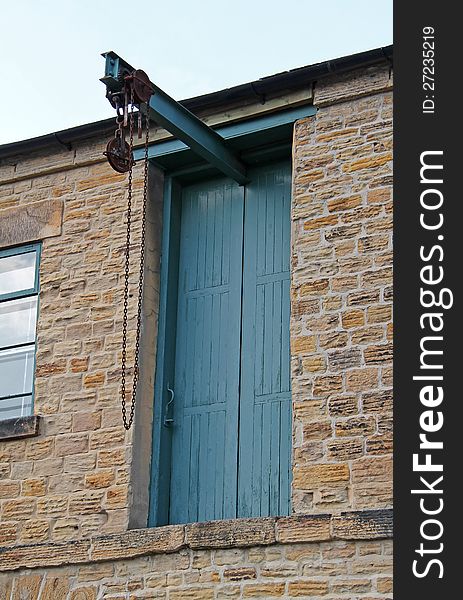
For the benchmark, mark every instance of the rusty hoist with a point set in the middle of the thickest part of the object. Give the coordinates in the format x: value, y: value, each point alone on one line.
x: 135, y: 90
x: 127, y: 88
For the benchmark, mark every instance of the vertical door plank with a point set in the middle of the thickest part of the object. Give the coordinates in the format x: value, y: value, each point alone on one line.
x: 265, y: 402
x: 207, y: 362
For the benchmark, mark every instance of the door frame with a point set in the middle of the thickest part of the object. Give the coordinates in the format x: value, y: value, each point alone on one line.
x: 263, y: 140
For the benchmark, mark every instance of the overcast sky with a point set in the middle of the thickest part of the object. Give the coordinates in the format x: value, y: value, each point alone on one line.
x: 50, y: 49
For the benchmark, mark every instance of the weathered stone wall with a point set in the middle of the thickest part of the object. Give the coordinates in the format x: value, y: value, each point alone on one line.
x: 341, y: 324
x: 72, y: 481
x: 331, y: 569
x: 61, y: 491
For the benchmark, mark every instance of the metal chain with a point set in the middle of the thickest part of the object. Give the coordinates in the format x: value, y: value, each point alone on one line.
x: 128, y: 422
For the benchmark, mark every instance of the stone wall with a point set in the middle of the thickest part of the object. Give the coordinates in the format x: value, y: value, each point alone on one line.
x: 72, y: 481
x: 341, y: 324
x: 62, y: 491
x: 290, y: 557
x: 341, y: 570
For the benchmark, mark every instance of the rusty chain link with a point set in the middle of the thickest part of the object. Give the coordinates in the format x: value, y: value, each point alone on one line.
x: 128, y: 422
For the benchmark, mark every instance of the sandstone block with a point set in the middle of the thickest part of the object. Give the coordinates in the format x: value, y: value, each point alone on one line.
x: 309, y: 477
x: 355, y: 426
x: 55, y: 588
x: 317, y: 430
x: 8, y: 533
x: 372, y: 470
x: 314, y: 288
x: 378, y: 354
x: 94, y: 380
x: 314, y: 364
x: 345, y: 449
x: 380, y: 401
x: 52, y: 505
x: 79, y: 365
x: 28, y: 586
x: 33, y: 487
x: 263, y: 590
x: 341, y: 360
x: 353, y: 318
x: 86, y: 421
x: 308, y: 588
x: 66, y: 445
x: 363, y: 525
x: 304, y: 344
x: 84, y: 593
x: 138, y: 542
x: 100, y: 479
x: 303, y: 529
x: 362, y: 298
x: 82, y: 503
x: 240, y: 573
x: 344, y: 203
x: 360, y: 380
x: 199, y: 593
x: 238, y: 532
x: 343, y: 406
x: 9, y: 489
x: 116, y: 497
x: 321, y: 222
x: 327, y: 384
x: 18, y: 509
x: 351, y: 586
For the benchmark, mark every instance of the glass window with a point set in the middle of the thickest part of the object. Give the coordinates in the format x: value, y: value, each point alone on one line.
x: 18, y: 320
x: 17, y: 272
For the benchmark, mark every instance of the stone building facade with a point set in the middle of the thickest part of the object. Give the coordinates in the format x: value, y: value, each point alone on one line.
x: 74, y: 485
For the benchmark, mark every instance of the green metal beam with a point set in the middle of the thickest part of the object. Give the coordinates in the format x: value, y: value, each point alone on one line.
x: 203, y: 140
x: 181, y: 123
x: 233, y: 131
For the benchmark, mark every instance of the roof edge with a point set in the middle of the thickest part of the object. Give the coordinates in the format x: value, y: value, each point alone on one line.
x: 287, y: 80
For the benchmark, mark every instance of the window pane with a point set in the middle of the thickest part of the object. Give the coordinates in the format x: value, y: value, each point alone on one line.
x: 16, y: 368
x: 17, y: 272
x: 17, y: 322
x: 12, y: 408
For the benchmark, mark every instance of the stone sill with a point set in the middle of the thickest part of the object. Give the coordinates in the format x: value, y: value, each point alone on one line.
x: 236, y: 533
x: 21, y: 427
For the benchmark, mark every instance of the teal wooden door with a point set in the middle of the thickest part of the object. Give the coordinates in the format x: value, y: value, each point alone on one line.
x: 231, y: 435
x: 265, y: 397
x: 207, y: 365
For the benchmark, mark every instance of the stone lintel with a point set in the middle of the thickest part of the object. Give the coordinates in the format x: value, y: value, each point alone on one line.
x: 31, y: 222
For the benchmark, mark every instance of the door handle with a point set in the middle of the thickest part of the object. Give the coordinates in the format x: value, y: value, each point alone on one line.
x: 168, y: 420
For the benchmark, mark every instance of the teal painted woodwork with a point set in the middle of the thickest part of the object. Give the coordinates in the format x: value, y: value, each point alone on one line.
x: 165, y: 368
x: 207, y: 363
x: 225, y: 351
x: 265, y: 395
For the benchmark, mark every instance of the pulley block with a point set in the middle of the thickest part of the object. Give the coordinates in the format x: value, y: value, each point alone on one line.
x: 142, y: 88
x: 119, y: 155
